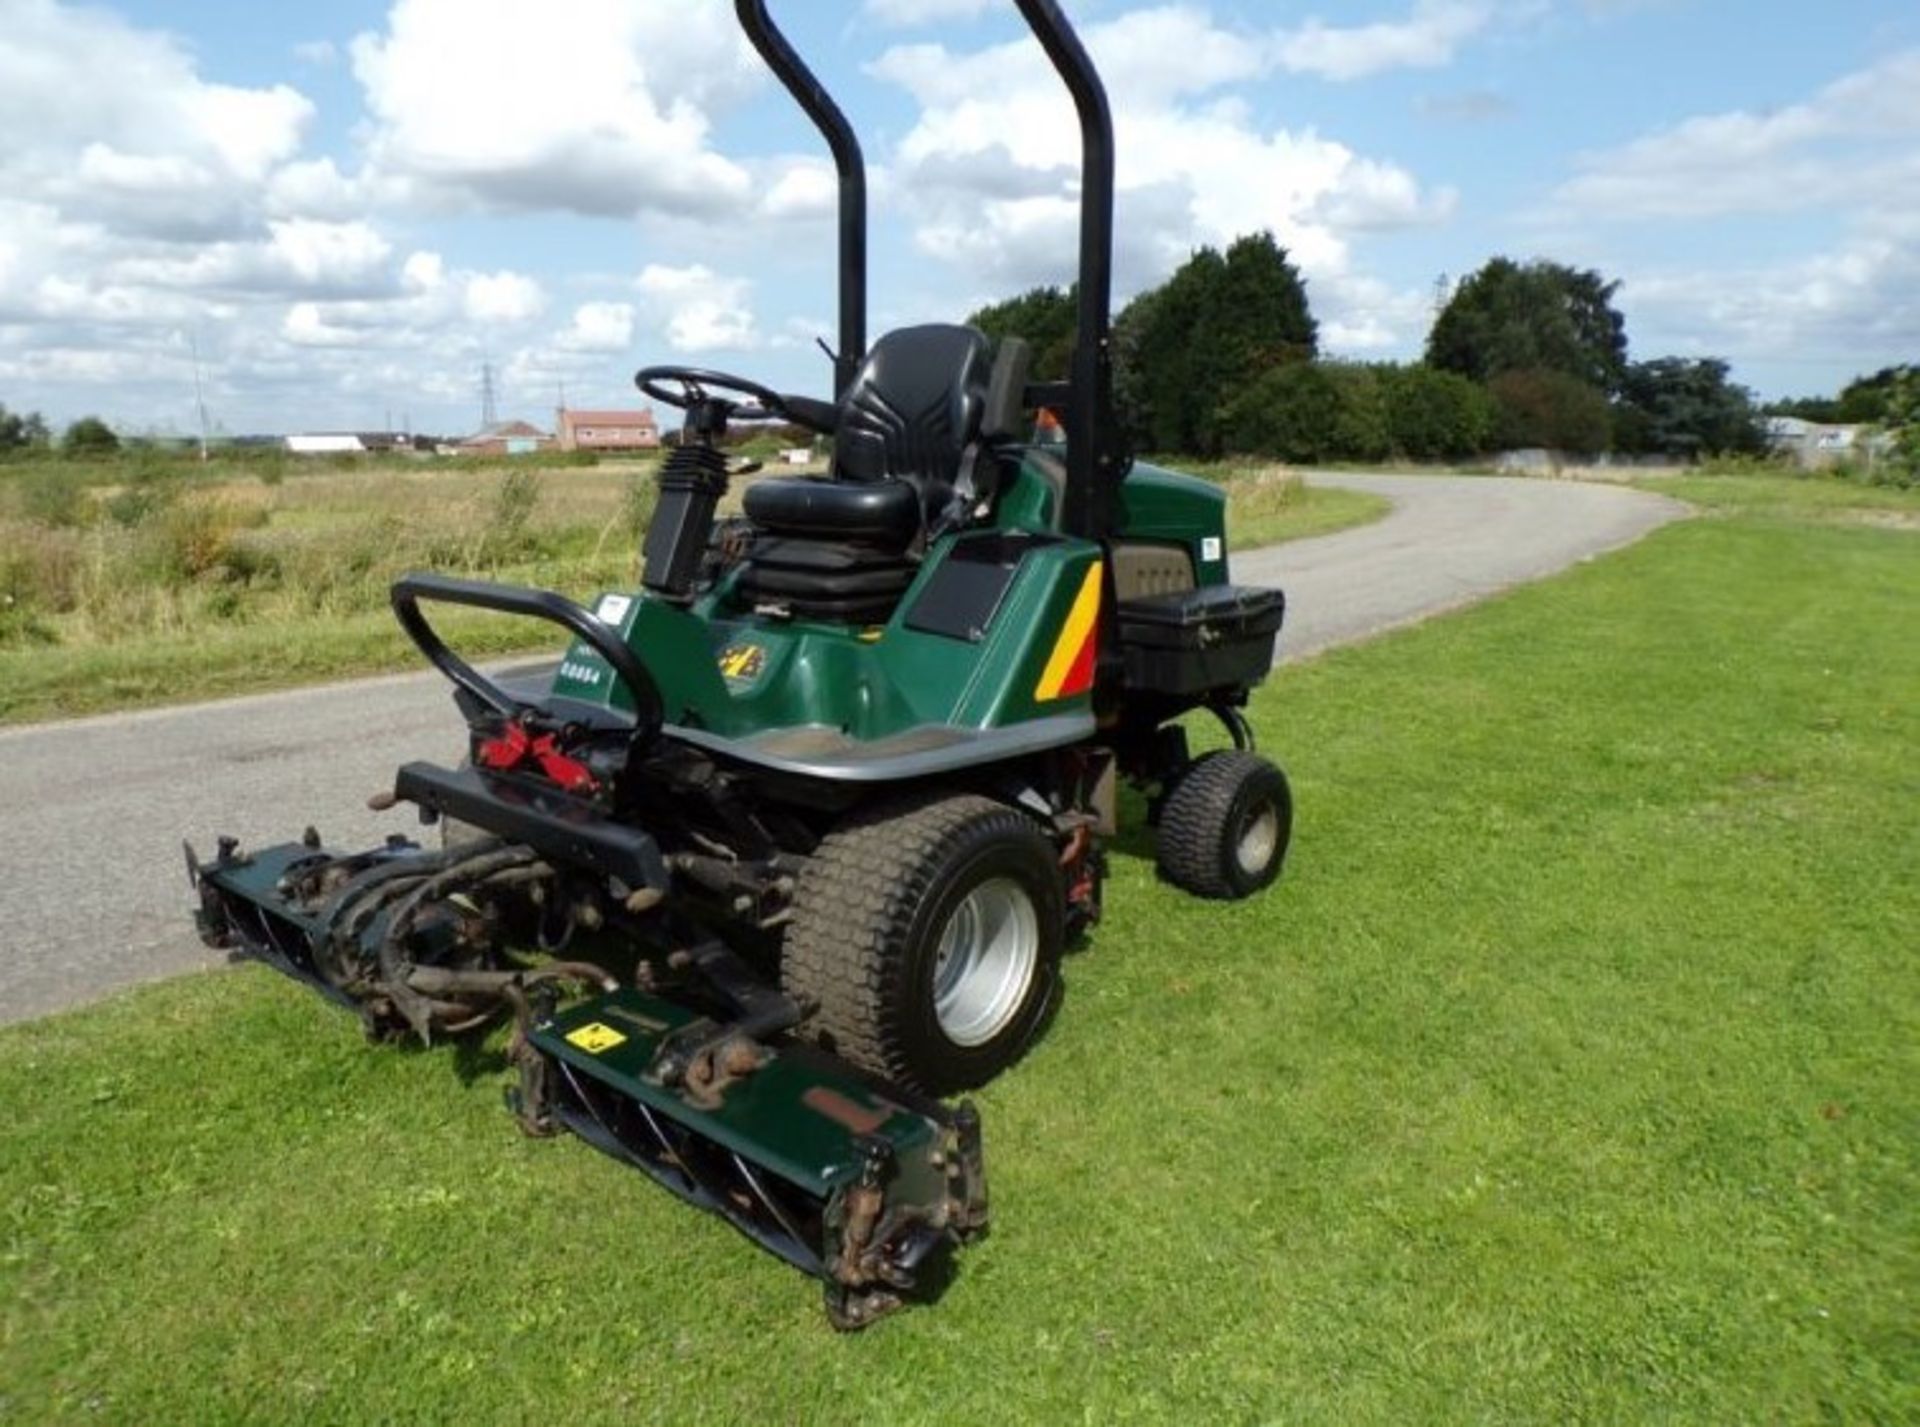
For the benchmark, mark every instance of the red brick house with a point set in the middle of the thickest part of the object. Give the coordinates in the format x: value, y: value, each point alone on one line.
x: 608, y: 431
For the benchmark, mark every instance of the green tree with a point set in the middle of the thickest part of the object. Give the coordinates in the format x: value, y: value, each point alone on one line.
x: 1901, y: 419
x: 21, y: 430
x: 1552, y: 410
x: 1046, y: 318
x: 1540, y: 316
x: 1869, y: 400
x: 1188, y: 348
x: 1167, y: 322
x: 1823, y: 409
x: 1290, y: 412
x: 1434, y: 415
x: 1680, y: 407
x: 89, y: 436
x: 1360, y: 431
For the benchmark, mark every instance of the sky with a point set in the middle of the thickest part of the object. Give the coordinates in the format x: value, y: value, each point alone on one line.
x: 334, y: 216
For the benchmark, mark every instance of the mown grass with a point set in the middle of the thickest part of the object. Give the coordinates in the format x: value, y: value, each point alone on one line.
x: 1571, y: 1075
x: 130, y: 583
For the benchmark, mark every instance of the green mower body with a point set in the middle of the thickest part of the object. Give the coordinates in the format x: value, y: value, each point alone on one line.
x: 958, y: 670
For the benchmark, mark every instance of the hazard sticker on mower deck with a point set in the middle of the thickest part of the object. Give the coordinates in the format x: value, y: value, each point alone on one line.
x: 595, y: 1038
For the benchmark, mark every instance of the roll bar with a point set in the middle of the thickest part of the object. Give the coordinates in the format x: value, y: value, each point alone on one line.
x: 1093, y: 438
x: 812, y: 96
x: 1094, y: 448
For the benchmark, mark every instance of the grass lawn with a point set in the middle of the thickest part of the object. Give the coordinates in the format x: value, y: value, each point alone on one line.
x: 232, y: 586
x: 1571, y: 1074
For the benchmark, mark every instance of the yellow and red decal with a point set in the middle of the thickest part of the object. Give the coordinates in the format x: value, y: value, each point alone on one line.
x: 1069, y: 671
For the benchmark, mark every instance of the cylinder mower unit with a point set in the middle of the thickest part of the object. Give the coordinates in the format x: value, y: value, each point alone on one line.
x: 791, y: 843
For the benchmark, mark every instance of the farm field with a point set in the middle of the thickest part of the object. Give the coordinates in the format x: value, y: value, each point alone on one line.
x: 1570, y: 1074
x: 120, y: 588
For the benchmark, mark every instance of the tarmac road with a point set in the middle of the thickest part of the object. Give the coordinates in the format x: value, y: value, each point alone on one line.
x: 94, y: 895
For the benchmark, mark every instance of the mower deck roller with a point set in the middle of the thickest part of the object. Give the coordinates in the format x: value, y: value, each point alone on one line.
x: 867, y: 1188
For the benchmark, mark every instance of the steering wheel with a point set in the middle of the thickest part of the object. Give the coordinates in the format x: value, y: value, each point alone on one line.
x: 693, y: 389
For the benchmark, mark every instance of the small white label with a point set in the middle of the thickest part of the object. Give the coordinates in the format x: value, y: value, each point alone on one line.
x: 1212, y: 548
x: 613, y: 608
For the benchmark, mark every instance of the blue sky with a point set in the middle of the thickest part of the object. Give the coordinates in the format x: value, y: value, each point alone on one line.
x: 348, y: 209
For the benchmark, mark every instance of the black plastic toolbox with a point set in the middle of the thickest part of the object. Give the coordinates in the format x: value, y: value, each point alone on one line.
x: 1200, y: 640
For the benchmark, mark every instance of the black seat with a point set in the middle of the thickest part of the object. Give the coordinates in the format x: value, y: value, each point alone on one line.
x: 885, y: 514
x: 903, y: 435
x: 915, y: 441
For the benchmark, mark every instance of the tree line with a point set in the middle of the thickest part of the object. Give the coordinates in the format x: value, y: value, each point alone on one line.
x: 28, y: 431
x: 1224, y: 359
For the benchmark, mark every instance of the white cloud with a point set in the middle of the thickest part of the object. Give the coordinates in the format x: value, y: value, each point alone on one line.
x: 1428, y: 38
x: 990, y: 168
x: 902, y: 14
x: 320, y: 254
x: 698, y: 310
x: 1857, y: 305
x: 1848, y: 154
x: 306, y: 326
x: 1856, y: 141
x: 52, y: 100
x: 503, y: 297
x: 592, y: 106
x: 599, y: 327
x: 804, y: 189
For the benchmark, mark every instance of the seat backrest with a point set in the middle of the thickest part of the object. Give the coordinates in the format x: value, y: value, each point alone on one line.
x: 914, y: 408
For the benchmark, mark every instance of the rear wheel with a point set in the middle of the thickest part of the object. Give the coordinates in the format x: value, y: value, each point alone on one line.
x: 929, y: 934
x: 1225, y: 826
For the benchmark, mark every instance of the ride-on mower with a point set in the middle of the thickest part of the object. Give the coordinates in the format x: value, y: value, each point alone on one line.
x: 791, y: 844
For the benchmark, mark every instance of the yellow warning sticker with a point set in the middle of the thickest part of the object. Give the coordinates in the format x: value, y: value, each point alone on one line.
x: 595, y: 1038
x: 742, y: 662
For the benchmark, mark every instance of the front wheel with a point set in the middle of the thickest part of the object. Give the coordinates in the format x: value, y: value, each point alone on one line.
x: 929, y: 935
x: 1225, y: 826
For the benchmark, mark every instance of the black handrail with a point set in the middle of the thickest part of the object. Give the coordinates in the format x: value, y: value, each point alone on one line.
x: 827, y: 117
x: 409, y: 590
x: 1093, y: 443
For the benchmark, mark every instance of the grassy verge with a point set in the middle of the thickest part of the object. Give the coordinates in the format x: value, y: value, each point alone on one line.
x: 1270, y: 509
x: 1571, y: 1075
x: 199, y: 584
x: 1809, y: 499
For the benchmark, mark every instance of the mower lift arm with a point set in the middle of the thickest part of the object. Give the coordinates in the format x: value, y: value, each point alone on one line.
x: 410, y: 590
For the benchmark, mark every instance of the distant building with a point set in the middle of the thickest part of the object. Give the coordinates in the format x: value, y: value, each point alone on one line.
x: 326, y: 443
x: 505, y: 438
x: 1813, y: 444
x: 608, y: 430
x: 342, y: 443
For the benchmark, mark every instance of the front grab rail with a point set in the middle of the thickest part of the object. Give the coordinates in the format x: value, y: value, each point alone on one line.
x: 409, y: 590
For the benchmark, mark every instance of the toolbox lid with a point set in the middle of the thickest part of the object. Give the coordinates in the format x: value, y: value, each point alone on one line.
x: 1224, y: 611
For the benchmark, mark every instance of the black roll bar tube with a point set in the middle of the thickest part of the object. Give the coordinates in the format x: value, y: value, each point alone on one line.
x: 1093, y: 441
x: 827, y: 117
x: 409, y: 590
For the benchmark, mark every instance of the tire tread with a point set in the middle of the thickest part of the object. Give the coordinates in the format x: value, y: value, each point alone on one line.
x: 856, y: 903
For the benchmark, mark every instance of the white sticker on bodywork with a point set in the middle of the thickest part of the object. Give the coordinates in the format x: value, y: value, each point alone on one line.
x: 613, y: 608
x: 1212, y: 548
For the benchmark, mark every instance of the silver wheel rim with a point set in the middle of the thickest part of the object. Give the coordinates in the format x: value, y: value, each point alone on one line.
x: 1259, y: 837
x: 985, y: 962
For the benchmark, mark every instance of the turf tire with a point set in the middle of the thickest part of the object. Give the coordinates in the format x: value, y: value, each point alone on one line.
x: 1208, y: 814
x: 867, y: 920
